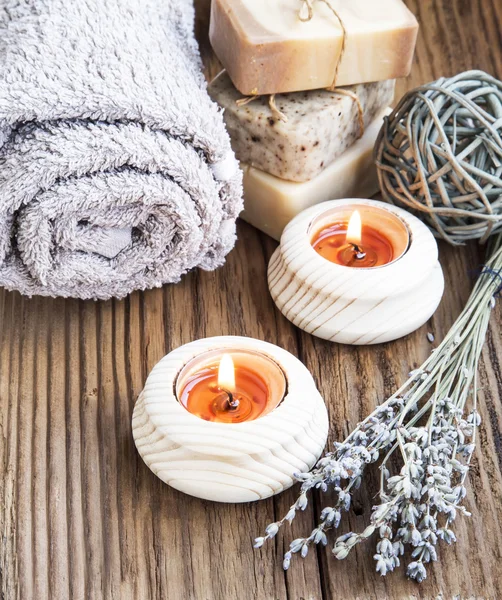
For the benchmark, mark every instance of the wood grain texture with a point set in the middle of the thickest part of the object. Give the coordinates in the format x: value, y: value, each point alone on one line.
x: 81, y: 516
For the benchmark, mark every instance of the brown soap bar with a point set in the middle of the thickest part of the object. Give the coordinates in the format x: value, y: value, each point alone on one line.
x: 267, y: 49
x: 320, y: 126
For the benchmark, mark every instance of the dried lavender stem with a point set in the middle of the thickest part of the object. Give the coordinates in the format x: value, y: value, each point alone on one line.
x: 435, y: 456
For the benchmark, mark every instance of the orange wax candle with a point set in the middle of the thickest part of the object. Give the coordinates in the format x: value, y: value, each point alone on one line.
x: 361, y: 241
x: 231, y: 387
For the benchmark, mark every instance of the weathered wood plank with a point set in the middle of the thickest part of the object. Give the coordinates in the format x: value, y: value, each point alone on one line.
x: 80, y: 514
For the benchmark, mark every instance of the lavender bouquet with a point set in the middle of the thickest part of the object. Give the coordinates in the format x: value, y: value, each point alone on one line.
x: 429, y: 426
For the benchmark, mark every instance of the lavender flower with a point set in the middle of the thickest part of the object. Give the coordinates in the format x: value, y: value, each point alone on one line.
x: 430, y: 425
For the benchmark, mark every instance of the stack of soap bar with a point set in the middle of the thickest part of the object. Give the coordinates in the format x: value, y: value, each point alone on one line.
x: 270, y: 203
x: 320, y: 126
x: 267, y: 49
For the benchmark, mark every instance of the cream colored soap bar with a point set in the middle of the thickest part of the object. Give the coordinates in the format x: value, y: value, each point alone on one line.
x: 270, y: 203
x: 267, y: 49
x: 320, y: 126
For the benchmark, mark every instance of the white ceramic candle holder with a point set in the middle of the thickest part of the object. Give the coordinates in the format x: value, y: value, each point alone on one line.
x: 355, y: 305
x: 229, y: 462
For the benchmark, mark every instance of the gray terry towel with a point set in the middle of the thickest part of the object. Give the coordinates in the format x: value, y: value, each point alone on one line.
x: 116, y: 171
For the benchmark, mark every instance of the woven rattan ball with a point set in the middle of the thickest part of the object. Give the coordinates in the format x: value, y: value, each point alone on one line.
x: 439, y: 153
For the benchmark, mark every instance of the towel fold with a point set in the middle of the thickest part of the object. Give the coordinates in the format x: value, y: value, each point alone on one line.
x: 116, y: 171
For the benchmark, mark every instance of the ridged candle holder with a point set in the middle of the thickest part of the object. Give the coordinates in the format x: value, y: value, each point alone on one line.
x: 229, y: 462
x: 355, y: 305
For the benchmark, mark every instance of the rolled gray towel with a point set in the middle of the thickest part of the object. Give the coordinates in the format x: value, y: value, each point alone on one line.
x: 116, y: 171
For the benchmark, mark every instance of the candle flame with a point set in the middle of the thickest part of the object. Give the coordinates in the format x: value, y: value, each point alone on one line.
x: 354, y: 229
x: 226, y: 373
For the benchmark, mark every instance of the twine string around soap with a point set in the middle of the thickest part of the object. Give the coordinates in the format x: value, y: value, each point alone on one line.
x: 271, y: 102
x: 440, y: 154
x: 282, y: 117
x: 305, y: 14
x: 359, y: 106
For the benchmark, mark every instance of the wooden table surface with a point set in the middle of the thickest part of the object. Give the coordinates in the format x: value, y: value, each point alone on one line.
x: 81, y: 517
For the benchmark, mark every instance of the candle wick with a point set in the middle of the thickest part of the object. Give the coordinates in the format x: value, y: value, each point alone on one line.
x: 232, y: 402
x: 358, y: 252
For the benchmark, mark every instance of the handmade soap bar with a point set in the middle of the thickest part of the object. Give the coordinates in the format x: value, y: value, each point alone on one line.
x: 270, y: 203
x: 320, y: 126
x: 267, y: 49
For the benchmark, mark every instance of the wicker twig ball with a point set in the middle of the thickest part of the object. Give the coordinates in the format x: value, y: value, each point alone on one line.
x: 439, y: 153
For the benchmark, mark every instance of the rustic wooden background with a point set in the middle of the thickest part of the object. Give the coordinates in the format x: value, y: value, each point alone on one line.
x: 81, y: 517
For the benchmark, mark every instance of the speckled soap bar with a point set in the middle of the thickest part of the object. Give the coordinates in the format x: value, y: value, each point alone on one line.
x: 320, y: 126
x: 270, y: 203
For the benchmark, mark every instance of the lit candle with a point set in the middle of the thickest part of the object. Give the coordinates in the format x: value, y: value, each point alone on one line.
x: 356, y: 271
x: 231, y: 387
x: 230, y: 419
x: 369, y: 238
